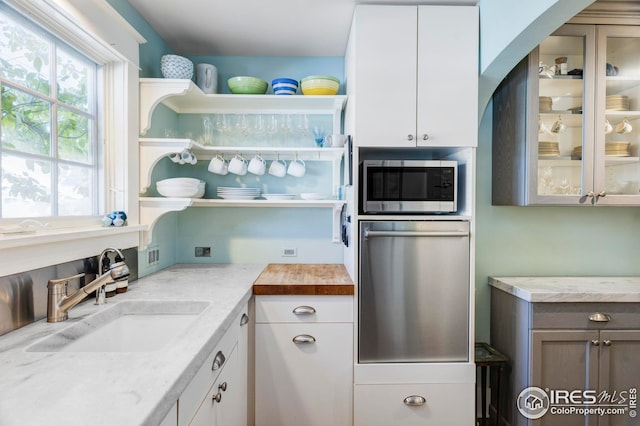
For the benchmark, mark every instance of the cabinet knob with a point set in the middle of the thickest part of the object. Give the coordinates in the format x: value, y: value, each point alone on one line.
x: 217, y: 397
x: 595, y: 342
x: 218, y: 360
x: 599, y: 317
x: 303, y: 339
x: 425, y: 137
x: 415, y: 400
x: 244, y: 320
x: 410, y: 137
x: 606, y: 342
x: 222, y: 386
x: 304, y: 310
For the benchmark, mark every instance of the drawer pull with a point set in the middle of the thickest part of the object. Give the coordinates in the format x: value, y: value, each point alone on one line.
x: 217, y: 397
x: 244, y: 320
x: 599, y: 317
x: 304, y: 310
x: 595, y: 342
x: 415, y: 400
x: 218, y: 361
x: 606, y: 342
x: 302, y: 339
x: 222, y: 386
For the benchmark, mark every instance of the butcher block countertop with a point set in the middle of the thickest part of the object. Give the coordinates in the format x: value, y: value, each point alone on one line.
x: 304, y: 279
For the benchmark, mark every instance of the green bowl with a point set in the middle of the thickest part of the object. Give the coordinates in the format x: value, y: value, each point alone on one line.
x: 244, y: 85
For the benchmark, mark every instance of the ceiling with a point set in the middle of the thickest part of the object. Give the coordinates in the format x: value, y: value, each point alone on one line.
x: 257, y: 27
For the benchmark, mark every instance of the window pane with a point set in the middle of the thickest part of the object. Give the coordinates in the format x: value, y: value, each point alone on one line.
x: 26, y: 123
x: 75, y: 191
x: 24, y: 56
x: 73, y: 136
x: 73, y: 77
x: 26, y: 187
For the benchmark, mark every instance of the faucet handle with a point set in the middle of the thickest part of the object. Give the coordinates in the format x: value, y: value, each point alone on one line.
x: 59, y: 282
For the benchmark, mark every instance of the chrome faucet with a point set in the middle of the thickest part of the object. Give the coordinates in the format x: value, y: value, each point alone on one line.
x: 59, y: 303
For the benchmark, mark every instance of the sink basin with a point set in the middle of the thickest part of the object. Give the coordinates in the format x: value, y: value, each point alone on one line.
x: 129, y: 326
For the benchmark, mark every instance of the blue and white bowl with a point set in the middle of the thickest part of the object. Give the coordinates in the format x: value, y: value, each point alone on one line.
x: 284, y: 86
x: 174, y: 66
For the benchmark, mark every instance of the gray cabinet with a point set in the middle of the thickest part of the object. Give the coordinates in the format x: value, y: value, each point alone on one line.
x: 558, y: 133
x: 556, y: 346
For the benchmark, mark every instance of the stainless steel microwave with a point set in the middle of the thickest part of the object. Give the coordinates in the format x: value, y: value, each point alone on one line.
x: 409, y: 186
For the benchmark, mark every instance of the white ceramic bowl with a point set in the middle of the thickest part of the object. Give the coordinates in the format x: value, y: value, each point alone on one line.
x: 181, y: 188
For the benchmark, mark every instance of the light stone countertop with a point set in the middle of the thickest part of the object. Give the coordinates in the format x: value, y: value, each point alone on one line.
x: 570, y: 289
x: 120, y: 388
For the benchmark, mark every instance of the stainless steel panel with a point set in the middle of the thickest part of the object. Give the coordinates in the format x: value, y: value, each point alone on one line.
x: 414, y: 291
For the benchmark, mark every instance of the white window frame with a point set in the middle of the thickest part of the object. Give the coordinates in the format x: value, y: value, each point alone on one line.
x: 94, y: 28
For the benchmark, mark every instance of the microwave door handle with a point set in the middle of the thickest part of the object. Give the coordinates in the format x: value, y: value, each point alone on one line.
x: 369, y: 234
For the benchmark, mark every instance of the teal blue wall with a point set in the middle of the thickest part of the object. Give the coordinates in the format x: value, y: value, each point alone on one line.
x: 153, y: 49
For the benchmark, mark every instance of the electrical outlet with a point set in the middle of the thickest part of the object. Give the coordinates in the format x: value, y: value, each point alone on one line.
x: 153, y: 256
x: 289, y: 252
x: 203, y: 252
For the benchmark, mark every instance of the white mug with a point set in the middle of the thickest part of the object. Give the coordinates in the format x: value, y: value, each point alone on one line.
x: 207, y: 78
x: 188, y: 157
x: 257, y: 165
x: 335, y: 140
x: 278, y: 168
x: 608, y: 128
x: 624, y: 127
x: 238, y: 165
x: 218, y: 165
x: 297, y: 168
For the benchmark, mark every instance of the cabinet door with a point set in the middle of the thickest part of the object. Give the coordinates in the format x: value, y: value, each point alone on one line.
x: 384, y: 90
x: 619, y: 370
x: 445, y: 404
x: 563, y: 359
x: 447, y: 88
x: 243, y: 365
x: 617, y: 169
x: 561, y: 125
x: 223, y: 404
x: 304, y: 383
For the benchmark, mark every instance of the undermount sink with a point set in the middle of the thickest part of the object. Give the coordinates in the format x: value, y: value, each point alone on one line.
x: 128, y: 326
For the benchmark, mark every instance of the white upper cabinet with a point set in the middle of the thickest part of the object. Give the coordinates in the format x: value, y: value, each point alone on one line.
x: 412, y: 76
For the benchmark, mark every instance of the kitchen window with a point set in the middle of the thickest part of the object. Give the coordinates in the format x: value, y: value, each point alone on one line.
x: 49, y: 156
x: 89, y: 167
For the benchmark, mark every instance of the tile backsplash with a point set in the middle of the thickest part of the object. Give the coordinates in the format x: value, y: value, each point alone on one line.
x: 23, y: 296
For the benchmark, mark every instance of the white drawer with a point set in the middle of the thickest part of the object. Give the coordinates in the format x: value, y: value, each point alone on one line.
x: 296, y: 309
x: 445, y: 404
x: 199, y: 386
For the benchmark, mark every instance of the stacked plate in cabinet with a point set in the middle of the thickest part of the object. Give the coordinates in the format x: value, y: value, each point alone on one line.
x: 548, y: 149
x: 545, y: 103
x: 230, y: 193
x: 617, y: 149
x: 617, y: 103
x: 612, y: 149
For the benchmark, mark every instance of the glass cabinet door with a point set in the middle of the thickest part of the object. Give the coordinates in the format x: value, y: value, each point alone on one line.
x: 617, y: 169
x: 560, y: 170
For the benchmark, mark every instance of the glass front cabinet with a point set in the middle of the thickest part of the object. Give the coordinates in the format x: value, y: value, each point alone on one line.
x: 566, y: 121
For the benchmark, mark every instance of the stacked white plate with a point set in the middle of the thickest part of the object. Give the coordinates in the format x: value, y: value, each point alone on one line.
x: 617, y: 103
x: 230, y: 193
x: 279, y: 196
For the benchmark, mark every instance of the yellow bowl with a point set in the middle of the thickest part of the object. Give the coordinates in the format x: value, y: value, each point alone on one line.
x: 319, y: 86
x: 319, y: 91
